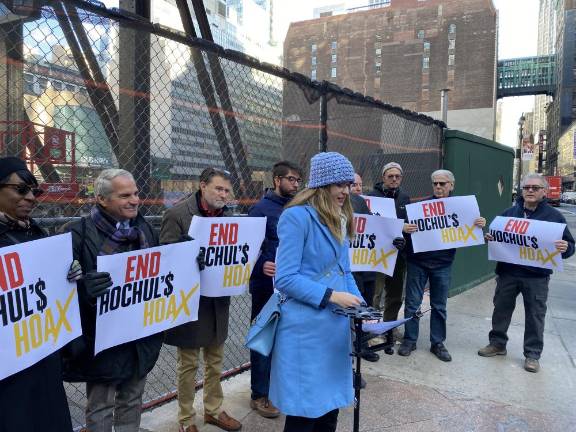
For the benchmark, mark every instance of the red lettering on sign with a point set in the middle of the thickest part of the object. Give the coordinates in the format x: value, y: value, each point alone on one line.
x: 11, y: 275
x: 223, y: 234
x: 368, y: 203
x: 517, y: 226
x: 434, y: 209
x: 147, y: 265
x: 360, y: 223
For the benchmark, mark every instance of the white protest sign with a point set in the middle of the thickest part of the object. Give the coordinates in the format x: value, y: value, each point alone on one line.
x: 39, y: 311
x: 154, y: 290
x: 380, y: 206
x: 372, y: 250
x: 445, y: 223
x: 230, y: 246
x: 526, y: 242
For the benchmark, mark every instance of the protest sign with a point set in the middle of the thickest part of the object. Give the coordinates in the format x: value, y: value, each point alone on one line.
x: 230, y: 246
x: 154, y: 290
x: 445, y: 223
x: 380, y: 206
x: 371, y: 249
x: 526, y: 242
x: 39, y: 310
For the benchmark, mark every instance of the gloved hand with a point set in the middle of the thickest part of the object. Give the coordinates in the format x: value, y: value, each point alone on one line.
x: 200, y: 261
x: 399, y: 243
x: 97, y: 283
x: 75, y: 272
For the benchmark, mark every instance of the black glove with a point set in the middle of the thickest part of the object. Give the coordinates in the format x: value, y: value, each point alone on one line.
x: 97, y: 283
x: 200, y: 261
x: 399, y: 243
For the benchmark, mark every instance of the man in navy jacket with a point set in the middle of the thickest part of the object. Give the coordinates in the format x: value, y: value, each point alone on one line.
x: 287, y: 178
x: 532, y: 282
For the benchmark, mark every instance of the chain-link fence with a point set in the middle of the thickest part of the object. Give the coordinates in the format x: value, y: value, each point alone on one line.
x: 84, y: 88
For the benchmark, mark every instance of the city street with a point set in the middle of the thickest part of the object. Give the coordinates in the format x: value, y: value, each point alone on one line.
x: 471, y: 394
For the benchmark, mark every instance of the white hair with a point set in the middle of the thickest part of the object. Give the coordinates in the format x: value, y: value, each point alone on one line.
x: 103, y: 184
x: 445, y: 173
x: 540, y: 178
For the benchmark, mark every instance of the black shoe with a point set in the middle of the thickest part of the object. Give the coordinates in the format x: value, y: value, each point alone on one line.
x: 440, y: 351
x: 406, y: 349
x: 370, y: 356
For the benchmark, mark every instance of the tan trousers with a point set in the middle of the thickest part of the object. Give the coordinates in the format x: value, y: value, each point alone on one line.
x: 188, y: 362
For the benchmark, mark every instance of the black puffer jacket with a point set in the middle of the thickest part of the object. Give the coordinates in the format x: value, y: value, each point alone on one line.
x: 33, y: 399
x: 119, y: 363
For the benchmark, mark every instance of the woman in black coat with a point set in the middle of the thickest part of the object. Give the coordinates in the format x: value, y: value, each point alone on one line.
x: 33, y: 399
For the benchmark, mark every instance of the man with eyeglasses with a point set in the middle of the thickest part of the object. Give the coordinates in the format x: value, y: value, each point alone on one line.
x: 287, y: 178
x: 434, y: 267
x: 208, y: 334
x: 531, y: 282
x: 392, y: 287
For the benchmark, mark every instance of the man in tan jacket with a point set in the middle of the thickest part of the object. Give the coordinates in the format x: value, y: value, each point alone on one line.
x: 210, y: 331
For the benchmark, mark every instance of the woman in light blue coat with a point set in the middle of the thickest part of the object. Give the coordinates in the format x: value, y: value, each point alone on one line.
x: 311, y: 376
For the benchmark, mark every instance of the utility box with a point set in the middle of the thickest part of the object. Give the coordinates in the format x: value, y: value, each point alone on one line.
x: 482, y: 168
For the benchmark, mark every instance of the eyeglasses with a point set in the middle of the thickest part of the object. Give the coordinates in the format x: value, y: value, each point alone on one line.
x: 535, y: 188
x: 292, y: 179
x: 23, y: 189
x: 441, y: 184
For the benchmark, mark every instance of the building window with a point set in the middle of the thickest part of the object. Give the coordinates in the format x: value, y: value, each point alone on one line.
x: 421, y: 34
x: 451, y: 59
x: 334, y: 45
x: 333, y: 73
x: 452, y: 28
x: 314, y: 47
x: 378, y: 52
x: 334, y: 58
x: 313, y: 74
x: 222, y: 8
x: 378, y: 68
x: 313, y: 61
x: 451, y: 44
x: 426, y: 46
x: 426, y: 63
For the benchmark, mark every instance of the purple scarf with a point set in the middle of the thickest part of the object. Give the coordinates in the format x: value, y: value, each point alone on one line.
x: 117, y: 238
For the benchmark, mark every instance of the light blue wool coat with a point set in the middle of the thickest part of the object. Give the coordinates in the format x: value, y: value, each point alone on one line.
x: 311, y: 364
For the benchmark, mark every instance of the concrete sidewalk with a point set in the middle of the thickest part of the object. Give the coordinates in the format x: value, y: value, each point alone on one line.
x: 472, y: 393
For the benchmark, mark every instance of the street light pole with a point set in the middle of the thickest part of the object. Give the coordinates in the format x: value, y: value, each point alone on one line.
x: 519, y: 152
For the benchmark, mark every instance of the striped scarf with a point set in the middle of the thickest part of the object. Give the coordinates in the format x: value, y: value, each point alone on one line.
x: 117, y: 238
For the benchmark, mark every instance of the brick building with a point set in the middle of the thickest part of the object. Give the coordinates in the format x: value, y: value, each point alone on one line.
x: 404, y: 53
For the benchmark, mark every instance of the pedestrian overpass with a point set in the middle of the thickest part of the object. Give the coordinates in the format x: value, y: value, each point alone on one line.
x: 527, y: 76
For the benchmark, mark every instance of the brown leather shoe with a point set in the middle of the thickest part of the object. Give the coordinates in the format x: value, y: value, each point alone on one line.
x: 191, y: 428
x: 264, y: 407
x: 224, y: 421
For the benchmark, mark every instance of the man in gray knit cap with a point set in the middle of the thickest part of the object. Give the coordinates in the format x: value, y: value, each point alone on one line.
x: 392, y: 287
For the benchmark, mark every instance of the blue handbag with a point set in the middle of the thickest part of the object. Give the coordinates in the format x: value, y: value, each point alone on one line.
x: 260, y: 337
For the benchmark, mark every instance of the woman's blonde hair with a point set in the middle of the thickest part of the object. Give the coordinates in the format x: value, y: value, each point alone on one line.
x: 329, y: 213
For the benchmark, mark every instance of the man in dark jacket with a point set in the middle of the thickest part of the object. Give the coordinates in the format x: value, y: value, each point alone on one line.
x: 434, y: 267
x: 532, y: 282
x: 287, y: 178
x: 211, y: 330
x: 392, y: 287
x: 115, y: 378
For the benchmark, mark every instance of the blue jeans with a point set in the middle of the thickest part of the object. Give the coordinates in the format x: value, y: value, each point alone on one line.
x: 260, y: 365
x: 416, y: 279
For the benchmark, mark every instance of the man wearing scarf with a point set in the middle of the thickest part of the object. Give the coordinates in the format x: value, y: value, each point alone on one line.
x: 115, y: 378
x: 210, y: 331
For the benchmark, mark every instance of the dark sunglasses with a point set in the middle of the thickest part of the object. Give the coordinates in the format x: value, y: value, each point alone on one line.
x: 441, y: 184
x: 23, y: 189
x: 292, y: 179
x: 535, y: 188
